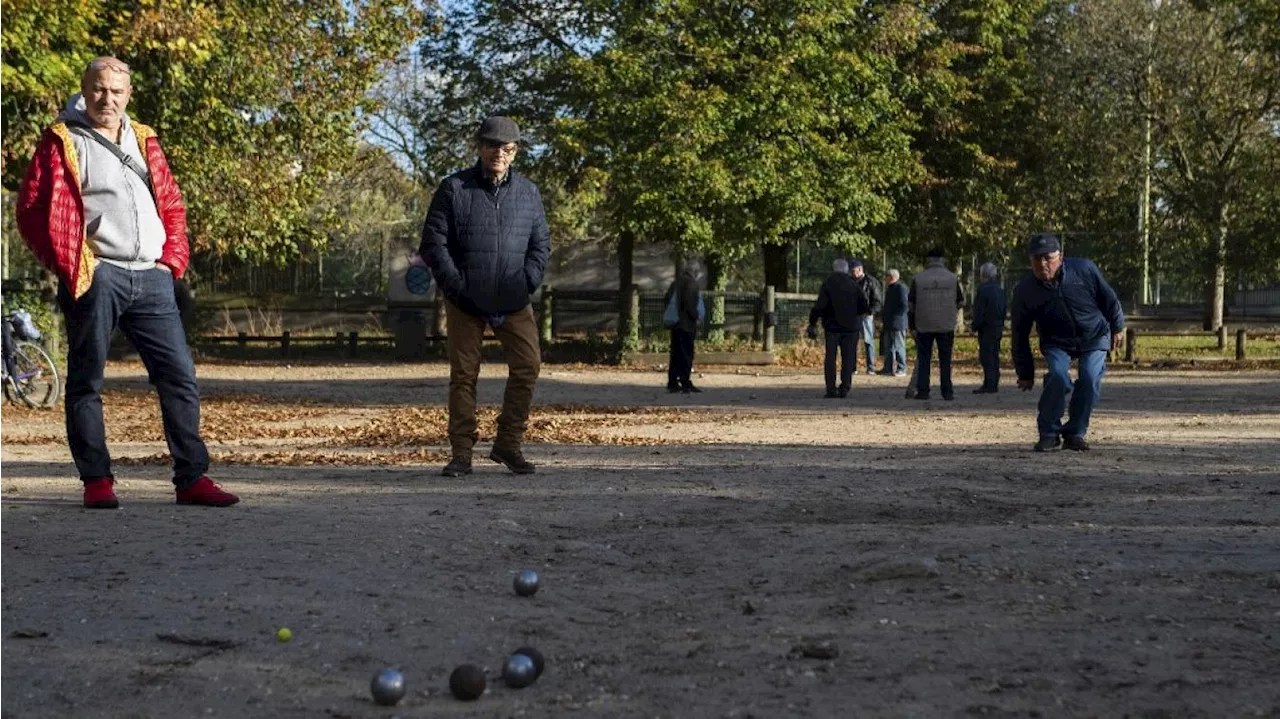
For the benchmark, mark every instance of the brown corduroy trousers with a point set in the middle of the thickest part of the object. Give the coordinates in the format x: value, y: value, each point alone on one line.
x: 519, y: 338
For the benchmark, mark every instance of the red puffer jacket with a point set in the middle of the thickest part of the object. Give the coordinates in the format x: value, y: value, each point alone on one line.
x: 51, y: 211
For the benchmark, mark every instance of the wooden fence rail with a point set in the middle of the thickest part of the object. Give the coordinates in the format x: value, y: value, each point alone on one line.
x: 350, y: 341
x: 1131, y: 340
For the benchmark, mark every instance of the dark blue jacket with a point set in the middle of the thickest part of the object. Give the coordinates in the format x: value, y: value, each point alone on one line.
x: 989, y: 308
x: 895, y: 306
x: 486, y: 246
x: 840, y: 304
x: 1077, y: 312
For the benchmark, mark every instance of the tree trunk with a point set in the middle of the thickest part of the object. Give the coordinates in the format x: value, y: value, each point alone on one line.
x: 777, y: 270
x: 1217, y: 297
x: 717, y: 279
x: 628, y: 331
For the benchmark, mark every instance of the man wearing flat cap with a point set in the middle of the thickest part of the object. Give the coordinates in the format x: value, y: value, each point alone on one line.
x: 486, y: 241
x: 1079, y: 318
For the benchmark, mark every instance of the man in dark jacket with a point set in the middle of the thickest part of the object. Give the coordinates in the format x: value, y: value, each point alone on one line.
x: 1078, y: 317
x: 870, y: 290
x: 894, y: 316
x: 988, y: 323
x: 840, y: 306
x: 487, y: 243
x: 686, y: 291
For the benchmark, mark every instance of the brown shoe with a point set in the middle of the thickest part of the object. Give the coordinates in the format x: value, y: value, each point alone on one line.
x: 457, y: 467
x: 513, y: 458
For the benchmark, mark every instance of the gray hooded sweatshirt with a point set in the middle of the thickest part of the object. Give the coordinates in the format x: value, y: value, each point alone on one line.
x: 122, y: 224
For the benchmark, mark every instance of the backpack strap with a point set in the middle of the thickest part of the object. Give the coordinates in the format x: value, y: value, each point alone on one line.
x: 86, y: 132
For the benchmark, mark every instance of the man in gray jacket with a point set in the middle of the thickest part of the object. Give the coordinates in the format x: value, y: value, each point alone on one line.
x: 933, y: 305
x: 486, y: 241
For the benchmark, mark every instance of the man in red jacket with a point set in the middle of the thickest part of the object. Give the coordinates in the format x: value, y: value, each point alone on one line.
x: 101, y: 210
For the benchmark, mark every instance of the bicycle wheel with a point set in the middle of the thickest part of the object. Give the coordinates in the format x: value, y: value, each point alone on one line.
x: 35, y: 378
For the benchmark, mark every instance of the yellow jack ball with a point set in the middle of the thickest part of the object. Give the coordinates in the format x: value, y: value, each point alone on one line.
x: 284, y: 634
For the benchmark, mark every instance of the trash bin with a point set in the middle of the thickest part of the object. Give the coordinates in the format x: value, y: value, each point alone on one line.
x: 409, y: 328
x: 409, y: 291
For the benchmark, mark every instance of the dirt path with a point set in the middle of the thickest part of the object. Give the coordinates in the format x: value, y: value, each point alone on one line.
x: 755, y: 550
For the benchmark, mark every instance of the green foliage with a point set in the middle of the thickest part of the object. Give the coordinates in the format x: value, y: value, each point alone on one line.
x: 723, y: 126
x: 46, y: 45
x: 258, y: 104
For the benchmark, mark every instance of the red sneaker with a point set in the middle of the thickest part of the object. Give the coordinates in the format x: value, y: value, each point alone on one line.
x: 205, y: 492
x: 98, y: 493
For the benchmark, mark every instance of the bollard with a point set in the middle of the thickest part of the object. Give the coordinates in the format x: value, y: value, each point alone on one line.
x: 770, y: 303
x: 1130, y: 345
x: 1241, y: 337
x: 353, y: 340
x: 1222, y: 337
x: 242, y: 339
x: 546, y: 326
x: 284, y: 344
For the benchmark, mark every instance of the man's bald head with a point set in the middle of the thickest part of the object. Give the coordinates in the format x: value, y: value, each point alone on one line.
x: 106, y: 88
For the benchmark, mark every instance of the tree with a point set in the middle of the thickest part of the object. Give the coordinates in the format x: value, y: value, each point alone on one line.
x: 47, y: 44
x: 257, y: 104
x: 1207, y: 77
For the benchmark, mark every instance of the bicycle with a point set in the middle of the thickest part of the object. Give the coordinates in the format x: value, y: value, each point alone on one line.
x: 28, y: 372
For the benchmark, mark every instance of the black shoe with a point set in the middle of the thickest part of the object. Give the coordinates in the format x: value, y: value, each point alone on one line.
x: 984, y: 390
x: 688, y: 387
x: 673, y: 388
x: 831, y: 394
x: 456, y: 467
x: 1048, y: 444
x: 1075, y: 443
x: 917, y: 395
x: 911, y: 393
x: 513, y: 459
x: 843, y: 391
x: 949, y: 397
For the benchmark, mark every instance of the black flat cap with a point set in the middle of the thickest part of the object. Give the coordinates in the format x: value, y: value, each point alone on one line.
x: 499, y: 129
x: 1043, y: 243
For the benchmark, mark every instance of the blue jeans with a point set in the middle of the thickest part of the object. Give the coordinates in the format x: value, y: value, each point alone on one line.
x: 142, y: 305
x: 867, y: 335
x: 924, y: 358
x: 1057, y: 385
x: 894, y: 343
x: 989, y: 356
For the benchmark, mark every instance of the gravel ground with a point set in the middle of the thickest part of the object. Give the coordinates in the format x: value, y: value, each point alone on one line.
x: 752, y: 551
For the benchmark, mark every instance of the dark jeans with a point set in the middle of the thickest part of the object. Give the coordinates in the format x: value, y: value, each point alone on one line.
x: 924, y: 358
x: 989, y: 356
x: 681, y: 364
x: 847, y: 344
x: 142, y: 305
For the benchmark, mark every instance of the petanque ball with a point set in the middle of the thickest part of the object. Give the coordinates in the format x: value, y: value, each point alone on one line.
x: 467, y: 682
x: 526, y: 583
x: 539, y: 661
x: 387, y: 687
x: 519, y: 671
